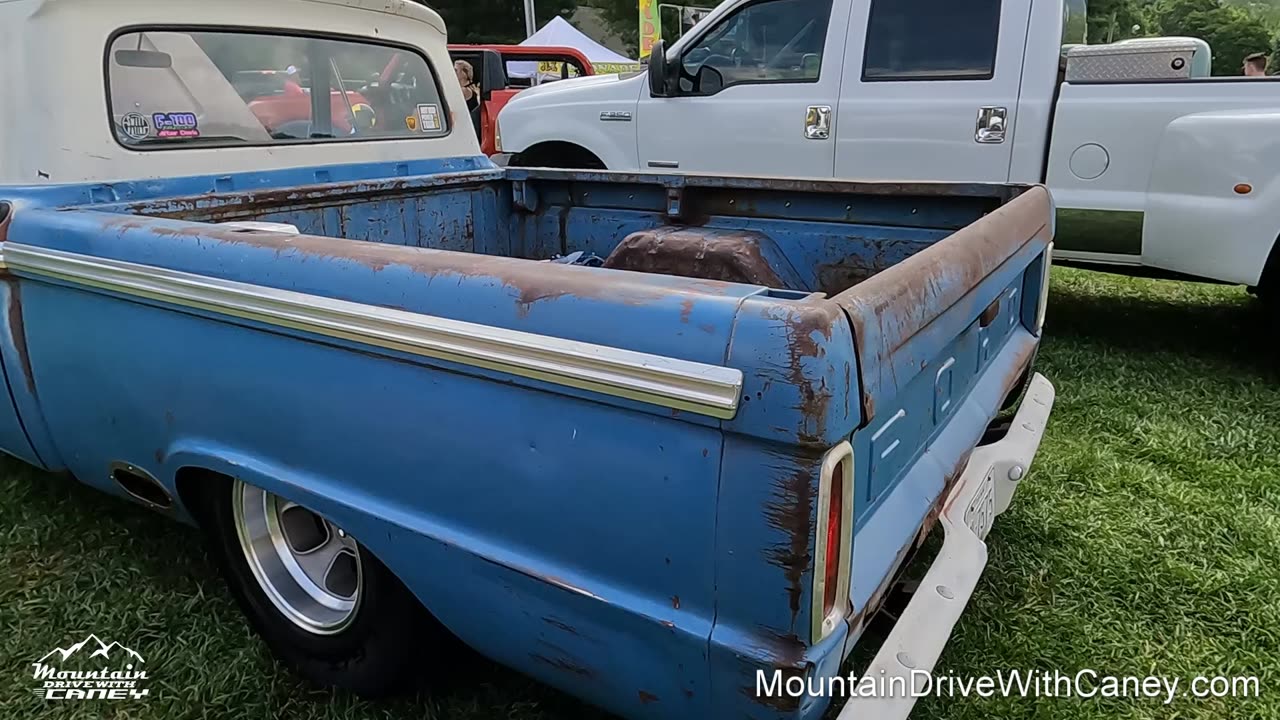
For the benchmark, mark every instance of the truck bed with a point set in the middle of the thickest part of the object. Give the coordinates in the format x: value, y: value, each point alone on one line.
x: 473, y: 417
x: 816, y: 236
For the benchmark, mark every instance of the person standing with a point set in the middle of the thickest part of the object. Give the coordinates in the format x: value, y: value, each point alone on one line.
x: 466, y: 78
x: 1255, y: 65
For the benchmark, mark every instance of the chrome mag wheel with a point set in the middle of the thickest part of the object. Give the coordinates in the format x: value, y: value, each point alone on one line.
x: 308, y: 567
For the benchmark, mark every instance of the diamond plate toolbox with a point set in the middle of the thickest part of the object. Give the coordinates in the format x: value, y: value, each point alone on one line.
x: 1123, y: 62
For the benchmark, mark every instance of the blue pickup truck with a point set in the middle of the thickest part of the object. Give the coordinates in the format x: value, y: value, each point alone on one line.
x: 664, y: 442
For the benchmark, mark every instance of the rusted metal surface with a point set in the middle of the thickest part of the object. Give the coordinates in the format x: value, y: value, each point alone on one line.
x: 809, y: 329
x: 876, y: 600
x: 18, y: 332
x: 790, y: 512
x: 784, y: 654
x: 542, y: 578
x: 6, y: 214
x: 1000, y: 193
x: 891, y: 308
x: 869, y: 259
x: 208, y: 207
x: 1017, y: 372
x: 728, y: 255
x: 784, y: 702
x: 989, y: 315
x: 529, y: 282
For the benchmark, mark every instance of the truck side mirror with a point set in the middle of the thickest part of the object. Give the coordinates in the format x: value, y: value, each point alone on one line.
x: 658, y: 70
x: 493, y: 73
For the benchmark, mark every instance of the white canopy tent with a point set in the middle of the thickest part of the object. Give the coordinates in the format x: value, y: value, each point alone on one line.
x: 559, y: 32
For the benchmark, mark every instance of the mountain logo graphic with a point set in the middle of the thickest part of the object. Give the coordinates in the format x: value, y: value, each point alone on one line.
x: 98, y: 648
x: 119, y: 675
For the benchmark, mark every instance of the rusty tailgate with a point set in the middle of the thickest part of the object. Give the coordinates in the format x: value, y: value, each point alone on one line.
x: 903, y: 317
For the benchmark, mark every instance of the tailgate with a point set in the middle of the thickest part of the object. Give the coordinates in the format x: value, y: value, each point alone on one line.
x: 905, y: 317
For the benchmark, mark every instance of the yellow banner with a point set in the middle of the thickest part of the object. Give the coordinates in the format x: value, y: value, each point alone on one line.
x: 554, y: 68
x: 650, y: 27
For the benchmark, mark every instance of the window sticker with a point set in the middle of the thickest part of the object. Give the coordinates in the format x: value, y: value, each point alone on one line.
x: 429, y: 117
x: 411, y: 122
x: 135, y: 126
x: 176, y: 125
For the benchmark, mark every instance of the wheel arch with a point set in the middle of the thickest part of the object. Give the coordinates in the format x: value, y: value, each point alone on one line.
x: 564, y: 154
x: 1269, y: 281
x: 200, y: 474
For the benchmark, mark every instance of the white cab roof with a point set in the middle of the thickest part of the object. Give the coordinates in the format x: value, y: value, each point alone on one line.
x: 54, y: 122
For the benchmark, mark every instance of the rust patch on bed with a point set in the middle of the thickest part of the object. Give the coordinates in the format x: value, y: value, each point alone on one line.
x: 710, y: 254
x: 1015, y: 374
x: 18, y: 332
x: 950, y: 480
x: 808, y: 328
x: 6, y: 214
x: 528, y: 282
x: 790, y: 512
x: 791, y: 506
x: 781, y: 653
x: 892, y: 307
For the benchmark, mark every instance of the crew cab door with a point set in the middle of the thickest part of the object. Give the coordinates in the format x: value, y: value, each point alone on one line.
x: 931, y: 90
x: 754, y: 95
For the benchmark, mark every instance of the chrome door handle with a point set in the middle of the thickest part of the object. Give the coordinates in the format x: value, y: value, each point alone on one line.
x: 817, y: 122
x: 991, y: 125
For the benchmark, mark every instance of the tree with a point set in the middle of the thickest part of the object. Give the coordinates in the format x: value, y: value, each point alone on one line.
x: 495, y: 21
x: 1112, y: 20
x: 1232, y: 32
x: 623, y: 19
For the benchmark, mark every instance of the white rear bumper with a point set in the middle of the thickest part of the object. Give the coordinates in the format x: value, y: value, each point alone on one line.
x: 984, y: 491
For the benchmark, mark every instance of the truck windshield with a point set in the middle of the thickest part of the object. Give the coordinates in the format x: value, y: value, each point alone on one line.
x: 177, y: 89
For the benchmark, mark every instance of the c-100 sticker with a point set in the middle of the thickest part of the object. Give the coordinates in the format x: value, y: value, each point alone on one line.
x: 176, y: 125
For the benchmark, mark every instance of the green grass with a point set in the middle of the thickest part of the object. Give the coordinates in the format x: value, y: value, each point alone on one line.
x: 1146, y: 541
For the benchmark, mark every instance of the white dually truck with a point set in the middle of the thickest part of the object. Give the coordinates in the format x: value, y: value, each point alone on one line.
x: 1155, y: 168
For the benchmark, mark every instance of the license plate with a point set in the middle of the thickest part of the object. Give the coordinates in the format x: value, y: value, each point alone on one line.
x: 981, y: 513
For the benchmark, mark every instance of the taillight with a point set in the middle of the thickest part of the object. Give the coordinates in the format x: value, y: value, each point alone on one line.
x: 833, y: 542
x: 835, y: 529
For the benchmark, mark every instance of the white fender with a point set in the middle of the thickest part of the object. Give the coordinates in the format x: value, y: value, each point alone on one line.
x: 1213, y: 203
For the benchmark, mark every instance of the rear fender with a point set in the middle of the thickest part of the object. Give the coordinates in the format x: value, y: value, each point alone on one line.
x: 1200, y: 220
x: 23, y: 432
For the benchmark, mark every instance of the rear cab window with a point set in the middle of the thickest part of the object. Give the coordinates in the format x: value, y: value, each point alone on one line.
x: 931, y: 40
x: 181, y: 88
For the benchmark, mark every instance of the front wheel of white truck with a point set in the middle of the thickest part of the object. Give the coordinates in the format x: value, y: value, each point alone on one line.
x: 322, y: 603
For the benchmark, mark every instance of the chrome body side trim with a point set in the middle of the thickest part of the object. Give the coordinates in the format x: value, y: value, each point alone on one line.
x: 668, y: 382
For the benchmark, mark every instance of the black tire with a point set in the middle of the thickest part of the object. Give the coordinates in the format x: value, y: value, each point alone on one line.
x: 382, y: 651
x: 1268, y: 292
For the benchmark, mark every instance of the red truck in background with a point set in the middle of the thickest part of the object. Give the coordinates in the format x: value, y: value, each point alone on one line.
x: 558, y: 62
x: 282, y: 104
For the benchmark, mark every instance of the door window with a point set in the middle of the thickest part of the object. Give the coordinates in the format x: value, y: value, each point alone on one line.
x: 171, y: 88
x: 931, y: 40
x: 774, y: 41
